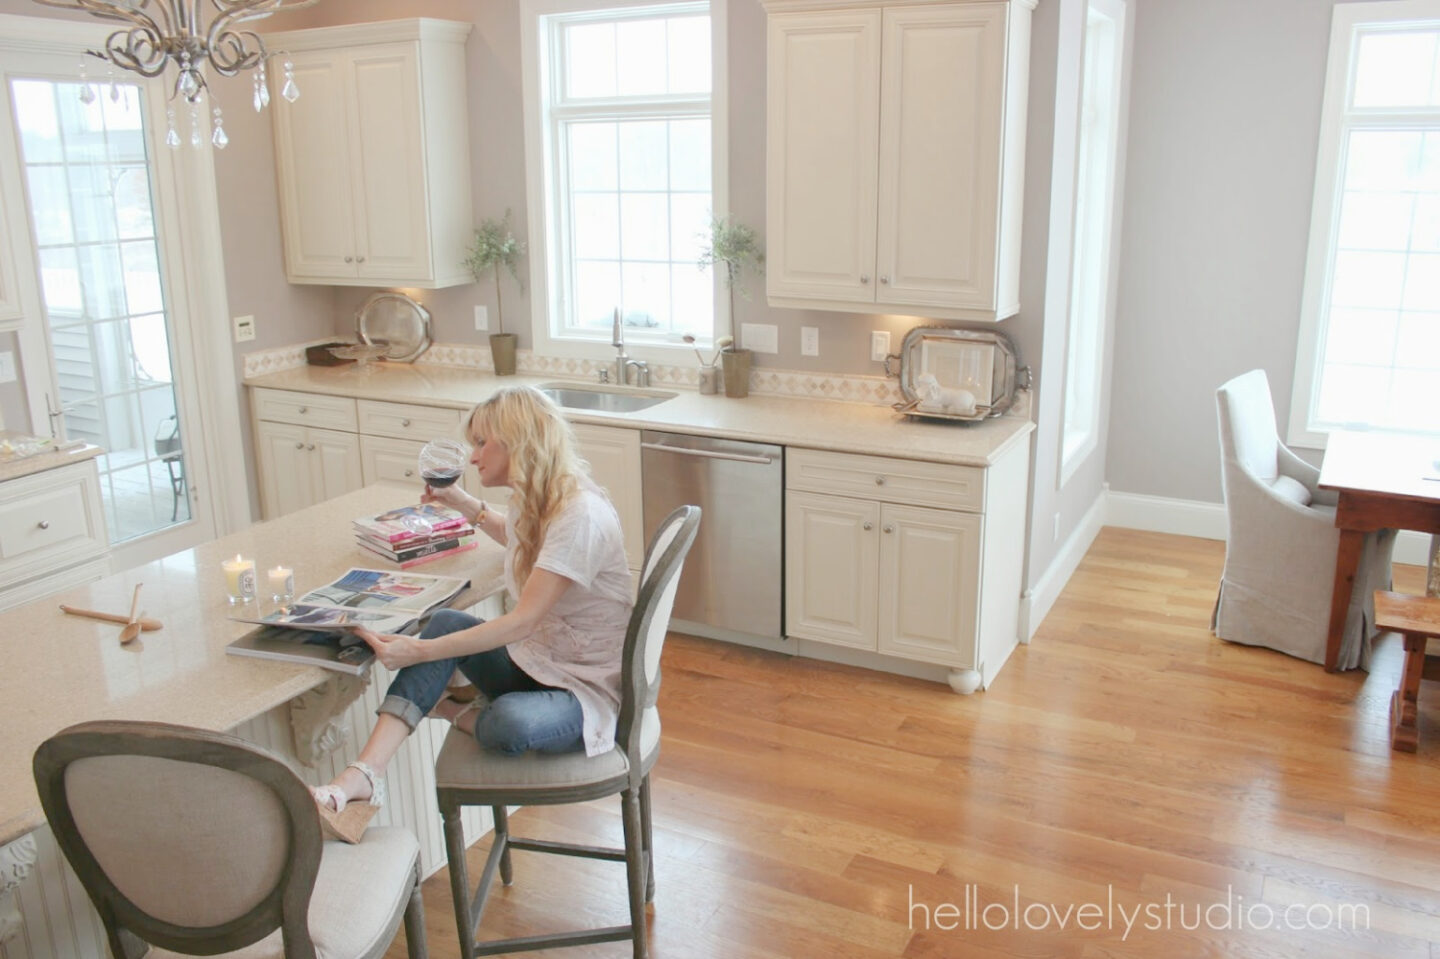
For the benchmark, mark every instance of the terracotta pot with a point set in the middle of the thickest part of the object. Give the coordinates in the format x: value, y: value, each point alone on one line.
x: 502, y: 353
x: 735, y: 365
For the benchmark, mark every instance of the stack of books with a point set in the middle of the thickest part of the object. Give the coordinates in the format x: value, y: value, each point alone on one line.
x: 412, y: 535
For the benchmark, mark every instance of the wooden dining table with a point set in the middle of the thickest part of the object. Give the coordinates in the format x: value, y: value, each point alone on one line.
x: 1384, y: 481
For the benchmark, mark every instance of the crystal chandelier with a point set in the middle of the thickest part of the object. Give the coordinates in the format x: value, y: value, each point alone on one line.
x: 161, y: 31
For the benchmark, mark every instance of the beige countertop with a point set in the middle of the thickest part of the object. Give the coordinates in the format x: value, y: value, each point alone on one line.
x: 61, y: 670
x: 22, y: 455
x: 789, y: 421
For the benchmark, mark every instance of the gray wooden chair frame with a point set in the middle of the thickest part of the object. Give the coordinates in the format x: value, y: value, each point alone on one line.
x: 637, y: 694
x: 129, y: 928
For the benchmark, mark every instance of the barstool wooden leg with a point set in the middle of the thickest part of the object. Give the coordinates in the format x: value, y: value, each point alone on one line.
x: 1404, y: 704
x: 459, y: 879
x: 649, y: 839
x: 502, y: 829
x: 635, y: 869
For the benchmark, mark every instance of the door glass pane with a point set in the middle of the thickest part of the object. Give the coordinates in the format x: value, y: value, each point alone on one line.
x: 89, y: 200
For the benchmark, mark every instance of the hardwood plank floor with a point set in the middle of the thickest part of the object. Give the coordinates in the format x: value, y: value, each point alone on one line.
x: 1126, y: 758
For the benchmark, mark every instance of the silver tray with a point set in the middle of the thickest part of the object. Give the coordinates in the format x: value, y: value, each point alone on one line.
x: 983, y: 362
x: 398, y: 322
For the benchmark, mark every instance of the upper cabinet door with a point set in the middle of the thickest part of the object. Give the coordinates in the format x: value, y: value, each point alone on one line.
x: 823, y: 124
x: 941, y: 105
x: 392, y: 215
x: 314, y: 167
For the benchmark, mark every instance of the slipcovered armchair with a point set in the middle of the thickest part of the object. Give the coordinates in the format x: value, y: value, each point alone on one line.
x: 1282, y: 541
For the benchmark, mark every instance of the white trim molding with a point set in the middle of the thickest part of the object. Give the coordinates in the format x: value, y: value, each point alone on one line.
x: 1037, y: 601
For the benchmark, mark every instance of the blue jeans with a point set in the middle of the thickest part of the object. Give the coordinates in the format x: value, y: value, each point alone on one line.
x: 522, y: 714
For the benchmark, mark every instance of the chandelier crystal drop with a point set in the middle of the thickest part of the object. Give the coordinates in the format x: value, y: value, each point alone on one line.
x: 159, y: 32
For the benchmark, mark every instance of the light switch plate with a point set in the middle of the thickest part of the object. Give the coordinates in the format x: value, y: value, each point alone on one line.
x: 760, y: 337
x: 879, y: 345
x: 7, y: 367
x: 244, y: 328
x: 482, y: 317
x: 809, y: 341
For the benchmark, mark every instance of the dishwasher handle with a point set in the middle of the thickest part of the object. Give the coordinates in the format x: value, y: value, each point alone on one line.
x: 709, y: 454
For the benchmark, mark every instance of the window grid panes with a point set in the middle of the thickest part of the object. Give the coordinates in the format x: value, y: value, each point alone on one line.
x: 631, y: 148
x: 1378, y: 353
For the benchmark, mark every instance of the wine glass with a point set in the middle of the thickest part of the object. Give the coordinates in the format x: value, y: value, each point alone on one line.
x: 442, y: 463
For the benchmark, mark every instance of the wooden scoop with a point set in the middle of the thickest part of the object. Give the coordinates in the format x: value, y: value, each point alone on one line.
x: 132, y: 625
x: 146, y: 623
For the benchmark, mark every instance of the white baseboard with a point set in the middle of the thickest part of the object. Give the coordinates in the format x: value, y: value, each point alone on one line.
x: 1207, y: 520
x: 1036, y: 603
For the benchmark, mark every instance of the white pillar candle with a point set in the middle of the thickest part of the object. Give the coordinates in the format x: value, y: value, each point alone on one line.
x: 239, y: 578
x: 282, y: 581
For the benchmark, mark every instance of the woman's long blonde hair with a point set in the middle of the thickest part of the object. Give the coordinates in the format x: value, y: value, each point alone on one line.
x: 545, y: 467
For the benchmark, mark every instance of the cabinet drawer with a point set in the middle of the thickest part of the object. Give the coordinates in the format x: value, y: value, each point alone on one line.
x: 305, y: 409
x: 49, y: 515
x: 388, y: 460
x: 409, y: 422
x: 878, y: 478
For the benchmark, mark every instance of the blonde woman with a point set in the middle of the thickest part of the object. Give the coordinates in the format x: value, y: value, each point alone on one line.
x: 549, y: 670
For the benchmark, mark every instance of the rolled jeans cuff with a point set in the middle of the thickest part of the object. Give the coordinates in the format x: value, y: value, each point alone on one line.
x: 403, y: 710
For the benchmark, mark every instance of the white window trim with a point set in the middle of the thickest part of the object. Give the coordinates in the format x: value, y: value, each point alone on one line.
x: 538, y: 189
x: 201, y: 350
x: 1118, y: 12
x: 1325, y: 209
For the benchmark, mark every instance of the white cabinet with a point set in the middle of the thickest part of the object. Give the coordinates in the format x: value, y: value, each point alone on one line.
x: 892, y: 557
x: 52, y: 532
x: 614, y: 457
x: 373, y: 158
x: 895, y: 157
x: 300, y: 466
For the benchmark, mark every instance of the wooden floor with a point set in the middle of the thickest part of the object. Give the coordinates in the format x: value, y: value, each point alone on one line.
x: 1126, y: 759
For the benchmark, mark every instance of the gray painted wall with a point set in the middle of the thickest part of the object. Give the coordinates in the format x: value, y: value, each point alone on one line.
x: 1224, y: 122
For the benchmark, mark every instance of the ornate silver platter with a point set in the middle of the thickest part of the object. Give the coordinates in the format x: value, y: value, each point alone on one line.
x: 397, y: 322
x: 966, y: 375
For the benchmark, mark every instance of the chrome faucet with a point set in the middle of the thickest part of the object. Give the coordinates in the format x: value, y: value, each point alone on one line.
x: 642, y: 371
x: 617, y: 340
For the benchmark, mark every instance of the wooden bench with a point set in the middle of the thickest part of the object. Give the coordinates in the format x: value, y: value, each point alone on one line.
x: 1417, y: 618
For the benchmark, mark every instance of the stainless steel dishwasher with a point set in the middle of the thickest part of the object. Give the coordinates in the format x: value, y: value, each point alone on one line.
x: 732, y: 577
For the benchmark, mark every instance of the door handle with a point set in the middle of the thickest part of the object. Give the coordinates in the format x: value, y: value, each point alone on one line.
x: 709, y: 454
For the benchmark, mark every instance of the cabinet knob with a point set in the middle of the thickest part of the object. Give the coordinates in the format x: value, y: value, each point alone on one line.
x: 310, y: 447
x: 889, y: 528
x: 44, y: 524
x: 869, y: 526
x: 359, y: 259
x: 884, y: 279
x: 349, y: 259
x: 304, y: 410
x: 865, y: 278
x: 299, y: 446
x: 879, y: 481
x: 404, y: 422
x: 409, y: 473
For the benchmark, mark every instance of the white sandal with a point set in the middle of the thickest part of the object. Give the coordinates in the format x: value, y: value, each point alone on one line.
x: 345, y: 820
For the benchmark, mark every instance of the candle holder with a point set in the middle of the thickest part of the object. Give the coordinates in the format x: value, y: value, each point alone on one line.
x: 282, y: 585
x: 239, y: 580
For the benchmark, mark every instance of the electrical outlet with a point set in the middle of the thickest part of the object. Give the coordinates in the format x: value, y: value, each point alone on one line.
x: 7, y: 367
x: 879, y: 345
x: 760, y: 337
x: 809, y: 341
x: 482, y: 317
x: 244, y: 329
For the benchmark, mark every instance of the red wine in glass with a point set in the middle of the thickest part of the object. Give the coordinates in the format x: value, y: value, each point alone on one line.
x: 440, y: 478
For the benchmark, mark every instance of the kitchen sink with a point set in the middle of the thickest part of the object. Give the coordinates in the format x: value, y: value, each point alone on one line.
x: 574, y: 397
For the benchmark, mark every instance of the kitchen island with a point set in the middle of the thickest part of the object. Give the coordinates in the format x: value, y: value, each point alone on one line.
x: 62, y: 670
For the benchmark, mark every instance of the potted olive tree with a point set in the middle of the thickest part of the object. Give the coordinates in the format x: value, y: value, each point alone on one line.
x: 495, y: 246
x: 733, y: 246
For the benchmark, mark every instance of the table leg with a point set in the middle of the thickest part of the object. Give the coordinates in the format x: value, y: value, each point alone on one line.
x: 1347, y: 560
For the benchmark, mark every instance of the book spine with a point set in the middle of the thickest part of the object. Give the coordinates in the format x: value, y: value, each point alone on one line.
x: 434, y: 556
x: 418, y: 542
x: 395, y: 535
x: 402, y: 555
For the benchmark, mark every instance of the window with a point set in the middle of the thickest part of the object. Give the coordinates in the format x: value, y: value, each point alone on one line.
x: 1096, y: 161
x: 620, y: 136
x: 1369, y: 351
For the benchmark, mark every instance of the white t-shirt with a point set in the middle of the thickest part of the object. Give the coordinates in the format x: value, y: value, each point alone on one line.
x: 579, y: 643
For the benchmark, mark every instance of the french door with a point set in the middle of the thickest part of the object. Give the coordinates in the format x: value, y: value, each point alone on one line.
x: 99, y: 267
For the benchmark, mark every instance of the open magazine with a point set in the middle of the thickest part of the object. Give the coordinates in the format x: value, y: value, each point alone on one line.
x: 317, y: 628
